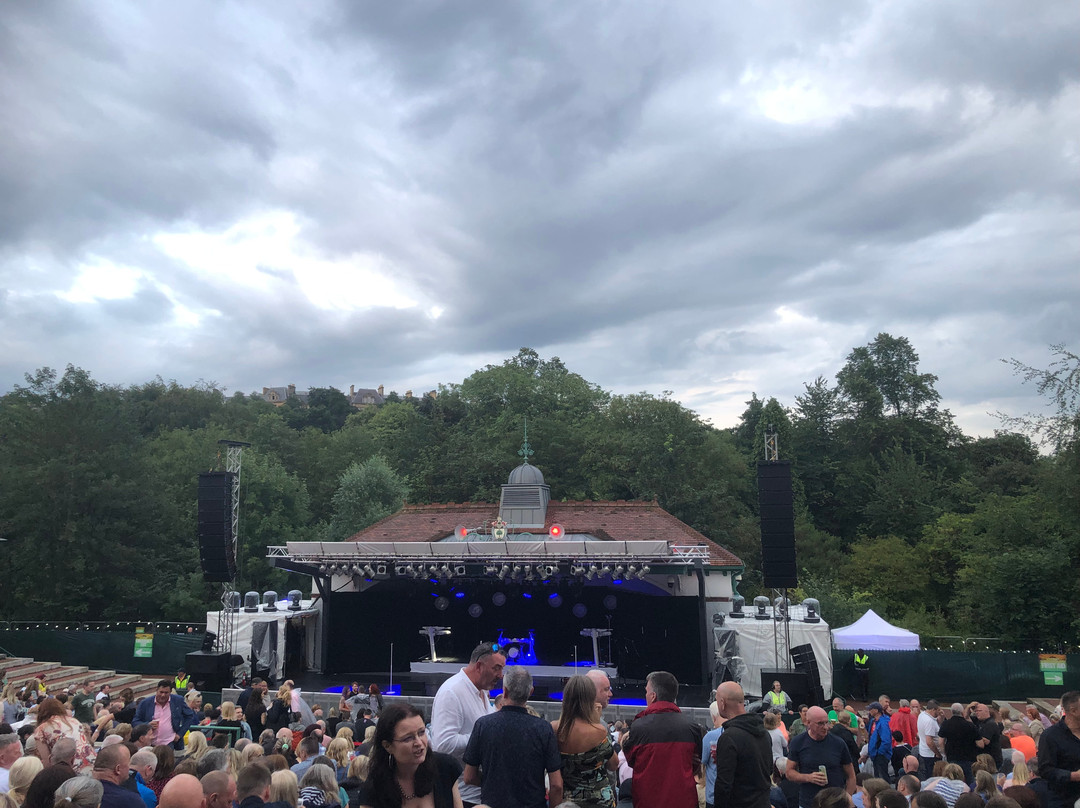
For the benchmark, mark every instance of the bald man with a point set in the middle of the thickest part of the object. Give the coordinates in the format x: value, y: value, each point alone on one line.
x: 743, y: 754
x: 219, y: 789
x: 111, y: 768
x: 182, y: 791
x: 603, y: 691
x: 818, y: 759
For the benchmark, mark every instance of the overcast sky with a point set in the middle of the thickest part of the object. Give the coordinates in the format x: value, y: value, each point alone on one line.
x: 708, y: 198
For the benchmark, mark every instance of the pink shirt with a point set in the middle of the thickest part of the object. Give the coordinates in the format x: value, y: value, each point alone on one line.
x: 165, y: 732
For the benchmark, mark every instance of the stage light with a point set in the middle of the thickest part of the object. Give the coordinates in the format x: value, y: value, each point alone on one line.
x: 294, y: 596
x: 270, y: 601
x: 737, y: 602
x: 620, y: 571
x: 610, y: 602
x: 555, y: 601
x: 442, y: 603
x: 555, y: 531
x: 577, y: 570
x: 813, y: 610
x: 605, y: 571
x: 761, y: 605
x: 251, y: 601
x: 491, y: 570
x: 369, y: 571
x: 517, y: 570
x: 459, y: 595
x: 526, y: 595
x: 644, y: 571
x: 498, y: 598
x: 475, y: 610
x: 380, y: 570
x: 632, y: 571
x: 593, y: 572
x: 460, y: 532
x: 459, y: 570
x: 579, y: 610
x: 323, y: 569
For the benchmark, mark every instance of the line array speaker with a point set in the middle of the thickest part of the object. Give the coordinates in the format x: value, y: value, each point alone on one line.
x: 776, y: 507
x: 805, y: 661
x: 217, y: 545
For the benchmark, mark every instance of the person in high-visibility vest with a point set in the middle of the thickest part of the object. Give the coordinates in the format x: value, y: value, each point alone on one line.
x: 862, y: 674
x: 777, y: 698
x: 182, y: 681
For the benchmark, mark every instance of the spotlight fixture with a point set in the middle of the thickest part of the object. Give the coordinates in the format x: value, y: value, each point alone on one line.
x: 593, y: 572
x: 555, y: 600
x: 475, y: 610
x: 499, y: 598
x: 459, y: 570
x: 442, y: 603
x: 577, y: 570
x: 401, y: 570
x: 605, y: 571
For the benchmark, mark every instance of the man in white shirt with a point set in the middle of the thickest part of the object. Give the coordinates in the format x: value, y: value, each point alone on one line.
x: 461, y: 700
x: 10, y: 751
x: 929, y: 743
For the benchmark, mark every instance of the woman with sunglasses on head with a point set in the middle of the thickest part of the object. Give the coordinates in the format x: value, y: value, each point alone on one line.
x: 405, y: 773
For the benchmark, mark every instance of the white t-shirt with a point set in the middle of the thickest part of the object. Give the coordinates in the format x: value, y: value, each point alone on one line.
x: 4, y: 774
x: 456, y: 707
x: 928, y: 725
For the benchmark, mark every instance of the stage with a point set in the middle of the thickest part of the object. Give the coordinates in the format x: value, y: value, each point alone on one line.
x: 425, y: 667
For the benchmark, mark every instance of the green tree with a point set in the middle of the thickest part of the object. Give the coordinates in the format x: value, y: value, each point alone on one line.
x: 368, y: 492
x: 883, y: 378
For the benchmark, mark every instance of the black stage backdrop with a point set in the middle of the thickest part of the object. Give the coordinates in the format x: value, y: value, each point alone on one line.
x: 649, y: 632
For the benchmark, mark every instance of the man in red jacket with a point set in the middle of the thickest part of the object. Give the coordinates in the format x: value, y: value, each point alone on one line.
x: 663, y: 748
x: 906, y: 722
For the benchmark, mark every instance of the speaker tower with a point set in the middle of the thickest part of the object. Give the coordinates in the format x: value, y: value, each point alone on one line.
x: 217, y: 545
x: 777, y: 510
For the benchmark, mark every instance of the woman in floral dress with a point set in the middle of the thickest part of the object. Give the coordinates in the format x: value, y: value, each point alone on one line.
x: 585, y: 746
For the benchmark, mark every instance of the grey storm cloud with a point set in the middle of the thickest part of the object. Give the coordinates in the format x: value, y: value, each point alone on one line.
x: 695, y: 197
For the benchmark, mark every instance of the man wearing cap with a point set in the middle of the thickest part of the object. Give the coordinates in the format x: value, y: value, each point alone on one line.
x: 879, y: 747
x: 817, y: 759
x: 182, y: 681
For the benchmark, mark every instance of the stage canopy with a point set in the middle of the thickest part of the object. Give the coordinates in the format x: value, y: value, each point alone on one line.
x: 757, y: 647
x: 266, y: 631
x: 873, y: 633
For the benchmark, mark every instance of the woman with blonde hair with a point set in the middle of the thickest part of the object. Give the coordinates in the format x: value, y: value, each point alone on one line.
x: 12, y: 706
x: 79, y: 792
x: 54, y: 723
x: 339, y: 751
x: 20, y: 775
x: 279, y: 713
x: 284, y: 788
x: 347, y: 734
x: 1020, y: 774
x: 985, y: 785
x: 196, y: 746
x: 250, y: 752
x: 319, y: 788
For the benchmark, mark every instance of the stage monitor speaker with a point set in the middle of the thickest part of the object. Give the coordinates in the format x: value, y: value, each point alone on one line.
x: 217, y: 549
x: 805, y: 661
x: 211, y: 671
x: 775, y: 505
x: 795, y: 683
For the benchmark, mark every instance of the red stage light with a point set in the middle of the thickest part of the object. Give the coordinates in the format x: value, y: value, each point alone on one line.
x: 461, y: 531
x: 556, y: 531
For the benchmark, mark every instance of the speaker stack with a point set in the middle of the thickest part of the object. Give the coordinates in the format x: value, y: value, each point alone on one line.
x: 777, y: 510
x: 217, y: 545
x: 805, y: 661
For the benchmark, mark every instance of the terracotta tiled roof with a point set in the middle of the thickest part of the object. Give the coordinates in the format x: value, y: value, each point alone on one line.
x: 612, y: 521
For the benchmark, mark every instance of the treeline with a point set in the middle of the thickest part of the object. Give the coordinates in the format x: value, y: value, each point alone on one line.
x: 896, y: 508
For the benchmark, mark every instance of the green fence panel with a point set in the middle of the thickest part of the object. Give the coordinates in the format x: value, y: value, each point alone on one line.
x: 102, y: 650
x: 954, y: 675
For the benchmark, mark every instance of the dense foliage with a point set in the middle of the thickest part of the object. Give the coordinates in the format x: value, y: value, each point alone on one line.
x: 896, y: 508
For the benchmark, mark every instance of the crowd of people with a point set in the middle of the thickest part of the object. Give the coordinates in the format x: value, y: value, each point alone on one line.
x: 61, y: 749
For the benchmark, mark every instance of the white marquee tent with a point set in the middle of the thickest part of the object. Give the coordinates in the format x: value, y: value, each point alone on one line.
x: 271, y: 637
x: 873, y: 633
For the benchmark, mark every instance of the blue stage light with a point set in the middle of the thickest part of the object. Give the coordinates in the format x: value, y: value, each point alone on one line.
x: 553, y: 595
x: 617, y: 581
x: 526, y: 595
x: 459, y: 594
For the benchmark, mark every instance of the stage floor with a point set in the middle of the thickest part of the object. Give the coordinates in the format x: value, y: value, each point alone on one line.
x: 538, y: 671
